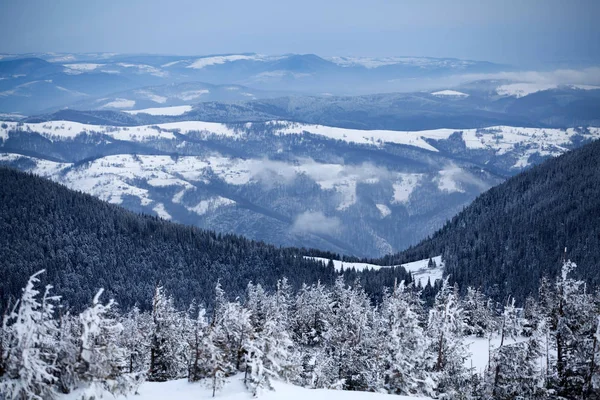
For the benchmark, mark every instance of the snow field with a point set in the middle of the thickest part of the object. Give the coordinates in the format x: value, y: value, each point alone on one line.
x: 235, y: 389
x: 419, y: 269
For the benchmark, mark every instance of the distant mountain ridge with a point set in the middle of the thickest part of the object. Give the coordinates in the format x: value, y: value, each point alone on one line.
x: 86, y: 78
x: 476, y: 105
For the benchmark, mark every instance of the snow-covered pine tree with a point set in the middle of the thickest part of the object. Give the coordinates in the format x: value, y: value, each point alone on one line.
x: 168, y: 342
x: 573, y: 326
x: 479, y: 317
x: 406, y: 361
x: 350, y: 341
x: 445, y: 329
x: 135, y: 338
x: 270, y: 348
x: 66, y: 365
x: 30, y: 345
x: 101, y: 361
x: 504, y: 358
x: 310, y: 325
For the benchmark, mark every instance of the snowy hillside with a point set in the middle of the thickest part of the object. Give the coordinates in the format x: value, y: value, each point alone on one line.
x: 283, y: 182
x: 420, y: 269
x: 520, y: 143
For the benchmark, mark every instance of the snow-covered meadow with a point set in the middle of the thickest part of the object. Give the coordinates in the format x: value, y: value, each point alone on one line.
x: 234, y: 389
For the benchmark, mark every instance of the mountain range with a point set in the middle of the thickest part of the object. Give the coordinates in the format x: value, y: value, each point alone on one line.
x: 34, y: 83
x: 365, y: 193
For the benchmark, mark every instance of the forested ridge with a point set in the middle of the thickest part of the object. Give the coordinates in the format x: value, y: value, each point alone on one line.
x: 84, y: 243
x: 517, y: 232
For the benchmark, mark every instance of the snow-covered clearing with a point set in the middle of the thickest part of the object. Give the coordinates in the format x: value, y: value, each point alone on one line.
x: 419, y: 269
x: 175, y: 110
x: 480, y: 349
x: 235, y: 389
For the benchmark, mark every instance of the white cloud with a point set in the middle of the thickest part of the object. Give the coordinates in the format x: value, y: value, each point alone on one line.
x: 315, y: 222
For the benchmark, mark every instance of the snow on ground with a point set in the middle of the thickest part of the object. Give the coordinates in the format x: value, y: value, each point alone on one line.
x: 160, y: 210
x: 404, y: 188
x: 120, y: 103
x: 370, y: 137
x: 525, y: 88
x: 83, y: 67
x: 447, y: 180
x: 480, y: 349
x: 175, y: 110
x: 208, y: 61
x: 57, y: 130
x: 422, y: 272
x: 419, y: 269
x: 524, y: 142
x: 499, y: 139
x: 211, y: 204
x: 384, y: 210
x: 152, y: 96
x: 449, y: 93
x: 234, y: 389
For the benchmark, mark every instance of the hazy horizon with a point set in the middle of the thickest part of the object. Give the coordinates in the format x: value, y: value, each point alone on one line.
x: 535, y: 33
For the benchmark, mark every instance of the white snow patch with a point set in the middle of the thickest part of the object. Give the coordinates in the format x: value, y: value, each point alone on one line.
x: 384, y: 210
x: 160, y: 210
x: 210, y: 205
x: 404, y: 188
x: 449, y: 93
x: 370, y: 137
x: 526, y: 88
x: 447, y: 180
x: 175, y: 110
x: 120, y: 103
x: 83, y: 67
x: 216, y: 60
x: 419, y: 269
x: 152, y: 96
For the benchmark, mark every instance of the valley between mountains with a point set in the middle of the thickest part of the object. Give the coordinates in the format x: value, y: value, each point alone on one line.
x: 366, y: 193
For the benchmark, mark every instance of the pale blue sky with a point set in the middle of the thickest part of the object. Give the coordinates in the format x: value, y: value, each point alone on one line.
x: 520, y: 32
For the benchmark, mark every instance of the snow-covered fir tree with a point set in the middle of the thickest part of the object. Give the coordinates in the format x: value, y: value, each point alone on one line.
x: 30, y: 345
x: 101, y: 360
x: 135, y: 339
x: 168, y: 343
x: 406, y: 360
x: 445, y: 330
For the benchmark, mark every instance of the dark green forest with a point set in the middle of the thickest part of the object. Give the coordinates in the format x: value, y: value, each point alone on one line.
x: 516, y: 233
x: 84, y: 243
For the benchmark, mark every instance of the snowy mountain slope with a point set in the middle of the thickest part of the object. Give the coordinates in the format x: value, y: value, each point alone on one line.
x: 366, y: 193
x: 234, y: 389
x: 523, y: 144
